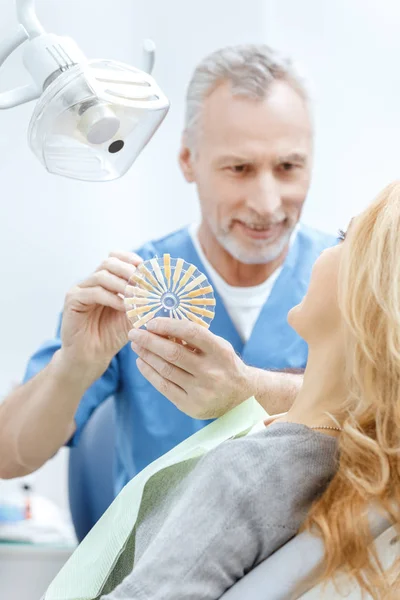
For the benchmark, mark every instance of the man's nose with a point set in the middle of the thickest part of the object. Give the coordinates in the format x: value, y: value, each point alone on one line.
x: 264, y: 195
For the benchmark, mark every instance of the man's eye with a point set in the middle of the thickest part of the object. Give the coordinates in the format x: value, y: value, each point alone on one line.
x: 288, y: 166
x: 238, y: 168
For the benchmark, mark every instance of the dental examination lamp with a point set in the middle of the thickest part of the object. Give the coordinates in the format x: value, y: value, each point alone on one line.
x: 93, y: 117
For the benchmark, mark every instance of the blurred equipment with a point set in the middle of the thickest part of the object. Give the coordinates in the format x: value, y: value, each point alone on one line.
x: 93, y: 117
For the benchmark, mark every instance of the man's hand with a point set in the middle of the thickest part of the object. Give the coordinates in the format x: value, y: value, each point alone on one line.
x: 204, y: 378
x: 95, y: 326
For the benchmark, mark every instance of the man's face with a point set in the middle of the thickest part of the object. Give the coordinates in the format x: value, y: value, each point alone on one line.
x: 252, y: 166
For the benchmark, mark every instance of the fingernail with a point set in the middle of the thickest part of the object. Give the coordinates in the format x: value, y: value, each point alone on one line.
x: 134, y: 335
x: 135, y: 347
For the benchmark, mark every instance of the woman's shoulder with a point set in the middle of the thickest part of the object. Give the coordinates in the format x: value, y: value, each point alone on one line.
x: 277, y: 443
x: 273, y: 476
x: 283, y: 454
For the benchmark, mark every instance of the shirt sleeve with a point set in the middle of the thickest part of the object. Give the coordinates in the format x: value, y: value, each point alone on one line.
x: 99, y: 391
x: 217, y: 531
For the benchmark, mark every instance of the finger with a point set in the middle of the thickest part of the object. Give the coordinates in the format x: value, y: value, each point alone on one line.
x: 118, y: 267
x: 129, y: 257
x: 96, y: 295
x: 270, y: 419
x: 166, y: 370
x: 193, y: 334
x: 171, y: 391
x: 169, y: 351
x: 107, y: 280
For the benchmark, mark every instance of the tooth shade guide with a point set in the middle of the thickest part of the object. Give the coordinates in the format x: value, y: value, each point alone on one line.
x: 199, y: 280
x: 148, y: 295
x: 202, y: 291
x: 142, y: 282
x: 199, y: 311
x: 181, y: 315
x: 157, y: 271
x: 193, y: 318
x: 186, y: 276
x: 139, y: 301
x: 149, y: 276
x: 131, y: 290
x: 199, y: 301
x: 167, y: 269
x: 139, y: 310
x: 145, y: 319
x: 177, y: 272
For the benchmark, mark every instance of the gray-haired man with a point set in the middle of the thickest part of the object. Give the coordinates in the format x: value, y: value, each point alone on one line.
x: 247, y: 146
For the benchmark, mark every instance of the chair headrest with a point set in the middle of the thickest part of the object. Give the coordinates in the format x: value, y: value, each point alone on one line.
x: 291, y: 569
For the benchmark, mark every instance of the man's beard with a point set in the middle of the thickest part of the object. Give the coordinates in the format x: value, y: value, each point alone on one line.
x: 256, y: 252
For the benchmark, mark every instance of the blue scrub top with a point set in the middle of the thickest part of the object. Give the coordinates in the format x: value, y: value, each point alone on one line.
x: 149, y: 425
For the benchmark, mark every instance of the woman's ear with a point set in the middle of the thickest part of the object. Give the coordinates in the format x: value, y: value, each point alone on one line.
x: 186, y: 162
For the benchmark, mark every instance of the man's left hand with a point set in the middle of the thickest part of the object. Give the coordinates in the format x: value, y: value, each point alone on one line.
x: 204, y: 378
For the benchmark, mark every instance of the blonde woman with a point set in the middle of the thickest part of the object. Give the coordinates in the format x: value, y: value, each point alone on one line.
x: 334, y: 454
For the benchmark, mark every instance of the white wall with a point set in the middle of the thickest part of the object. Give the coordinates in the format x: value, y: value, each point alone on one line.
x: 55, y: 231
x: 350, y: 50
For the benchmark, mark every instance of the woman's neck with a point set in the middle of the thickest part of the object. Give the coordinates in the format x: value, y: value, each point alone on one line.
x: 323, y: 390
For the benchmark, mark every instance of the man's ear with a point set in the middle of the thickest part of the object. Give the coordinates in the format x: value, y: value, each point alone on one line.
x: 186, y: 161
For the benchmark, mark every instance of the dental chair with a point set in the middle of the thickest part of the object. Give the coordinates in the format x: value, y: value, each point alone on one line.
x: 286, y: 575
x: 91, y: 470
x: 289, y: 573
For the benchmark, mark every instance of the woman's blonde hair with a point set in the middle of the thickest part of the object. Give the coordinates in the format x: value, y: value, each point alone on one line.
x: 369, y: 464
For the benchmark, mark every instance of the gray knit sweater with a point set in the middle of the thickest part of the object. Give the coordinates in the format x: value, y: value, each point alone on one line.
x: 234, y: 508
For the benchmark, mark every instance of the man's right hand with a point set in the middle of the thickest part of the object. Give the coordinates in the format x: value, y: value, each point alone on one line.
x: 94, y: 325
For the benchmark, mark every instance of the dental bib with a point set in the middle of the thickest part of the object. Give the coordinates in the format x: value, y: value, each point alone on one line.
x: 105, y: 557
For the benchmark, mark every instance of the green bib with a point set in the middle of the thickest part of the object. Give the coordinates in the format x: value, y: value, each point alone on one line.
x: 106, y: 556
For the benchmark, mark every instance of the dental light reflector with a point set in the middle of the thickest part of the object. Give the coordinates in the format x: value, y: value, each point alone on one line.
x: 93, y: 117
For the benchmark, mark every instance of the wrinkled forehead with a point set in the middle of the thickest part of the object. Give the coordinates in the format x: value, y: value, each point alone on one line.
x: 279, y: 123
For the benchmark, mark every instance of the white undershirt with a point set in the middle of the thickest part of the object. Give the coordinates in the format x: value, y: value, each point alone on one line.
x: 243, y: 304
